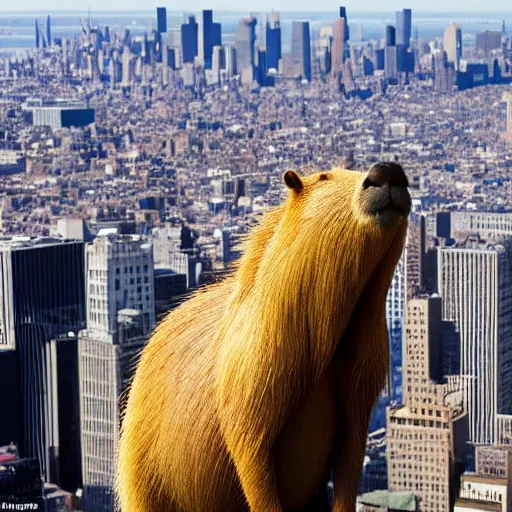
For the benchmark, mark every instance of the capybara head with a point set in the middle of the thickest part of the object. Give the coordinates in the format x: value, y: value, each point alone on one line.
x: 337, y: 233
x: 358, y: 216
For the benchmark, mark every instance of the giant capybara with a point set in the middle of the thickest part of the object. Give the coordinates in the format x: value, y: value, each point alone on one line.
x: 248, y: 393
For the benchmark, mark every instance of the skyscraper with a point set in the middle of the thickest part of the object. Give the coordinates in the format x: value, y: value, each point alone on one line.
x: 391, y: 61
x: 475, y: 282
x: 301, y: 50
x: 403, y: 27
x: 161, y: 18
x: 273, y: 41
x: 127, y: 66
x: 48, y: 31
x: 487, y: 41
x: 390, y: 35
x: 343, y: 14
x: 338, y: 45
x: 208, y: 38
x: 395, y: 315
x: 390, y: 53
x: 173, y: 40
x: 244, y: 43
x: 189, y: 34
x: 426, y: 435
x: 452, y: 43
x: 43, y: 296
x: 261, y: 67
x: 38, y: 36
x: 120, y: 314
x: 218, y: 61
x: 444, y: 72
x: 230, y: 54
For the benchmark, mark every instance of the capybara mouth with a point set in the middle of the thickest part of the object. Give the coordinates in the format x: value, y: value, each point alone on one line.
x: 385, y: 193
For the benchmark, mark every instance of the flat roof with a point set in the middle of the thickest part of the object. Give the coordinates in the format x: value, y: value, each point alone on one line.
x: 495, y: 480
x: 478, y: 505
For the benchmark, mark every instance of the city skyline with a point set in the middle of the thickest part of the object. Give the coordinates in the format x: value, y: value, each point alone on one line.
x: 473, y: 6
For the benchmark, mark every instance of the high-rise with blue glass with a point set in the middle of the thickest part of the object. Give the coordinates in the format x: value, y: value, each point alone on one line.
x: 161, y: 18
x: 403, y: 27
x: 42, y: 283
x: 48, y: 32
x: 212, y: 36
x: 244, y: 43
x: 273, y: 41
x: 301, y: 49
x: 189, y: 35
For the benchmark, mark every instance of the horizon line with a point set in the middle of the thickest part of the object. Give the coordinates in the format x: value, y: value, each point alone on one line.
x: 220, y: 9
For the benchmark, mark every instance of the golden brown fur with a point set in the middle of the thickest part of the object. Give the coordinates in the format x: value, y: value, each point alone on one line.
x: 247, y: 391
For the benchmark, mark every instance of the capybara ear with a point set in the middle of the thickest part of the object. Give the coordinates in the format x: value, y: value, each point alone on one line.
x: 292, y: 181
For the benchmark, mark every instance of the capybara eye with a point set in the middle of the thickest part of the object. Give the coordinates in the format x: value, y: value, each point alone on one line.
x: 323, y: 177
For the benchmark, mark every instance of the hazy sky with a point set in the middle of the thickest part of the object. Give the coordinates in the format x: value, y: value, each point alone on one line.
x: 258, y: 5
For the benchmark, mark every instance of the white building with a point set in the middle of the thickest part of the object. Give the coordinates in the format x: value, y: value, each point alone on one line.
x: 395, y: 316
x: 475, y: 283
x: 482, y: 493
x: 485, y: 224
x: 120, y: 316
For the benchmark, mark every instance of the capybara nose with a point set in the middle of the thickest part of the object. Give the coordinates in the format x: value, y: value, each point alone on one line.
x: 386, y: 173
x: 385, y: 192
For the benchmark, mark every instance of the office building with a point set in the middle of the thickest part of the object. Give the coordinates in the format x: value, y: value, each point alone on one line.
x: 475, y: 282
x: 338, y: 45
x: 38, y: 36
x: 189, y: 40
x: 170, y: 290
x: 403, y: 27
x: 48, y: 31
x: 11, y: 162
x: 490, y: 486
x: 273, y: 41
x: 230, y: 54
x: 343, y: 14
x: 390, y: 61
x: 395, y: 316
x: 172, y: 41
x: 212, y: 36
x: 301, y: 50
x: 426, y: 436
x: 58, y: 113
x: 487, y: 225
x: 488, y: 41
x: 390, y: 35
x: 390, y: 53
x: 444, y: 72
x: 244, y: 44
x: 127, y: 63
x: 43, y: 296
x: 120, y: 316
x: 161, y: 18
x: 65, y: 348
x: 21, y: 484
x: 218, y: 62
x: 452, y: 43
